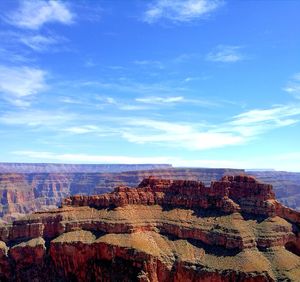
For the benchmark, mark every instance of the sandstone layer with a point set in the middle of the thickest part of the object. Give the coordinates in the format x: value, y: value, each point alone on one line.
x: 23, y: 193
x: 162, y: 230
x: 286, y: 185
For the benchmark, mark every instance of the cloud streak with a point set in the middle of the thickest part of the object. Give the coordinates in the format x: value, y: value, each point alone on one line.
x: 34, y: 14
x: 180, y: 10
x: 86, y: 158
x: 238, y: 130
x: 225, y: 54
x: 293, y: 86
x: 182, y: 135
x: 160, y: 100
x: 19, y: 84
x: 288, y: 162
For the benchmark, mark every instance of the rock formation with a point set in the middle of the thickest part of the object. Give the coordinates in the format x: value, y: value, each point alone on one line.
x: 162, y: 230
x: 286, y: 185
x: 23, y: 193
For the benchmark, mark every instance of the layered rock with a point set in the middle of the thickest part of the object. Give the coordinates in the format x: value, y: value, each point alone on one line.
x: 27, y: 192
x: 286, y: 185
x: 162, y: 230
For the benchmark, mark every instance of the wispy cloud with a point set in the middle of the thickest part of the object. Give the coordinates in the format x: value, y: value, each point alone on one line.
x: 40, y: 42
x: 173, y: 100
x: 19, y: 84
x: 126, y: 85
x: 86, y: 158
x: 82, y: 129
x: 34, y: 14
x: 151, y: 63
x: 287, y: 161
x: 239, y: 129
x: 293, y: 86
x: 277, y: 115
x: 37, y: 118
x: 183, y: 135
x: 12, y: 56
x: 225, y: 54
x: 258, y: 121
x: 160, y: 100
x: 180, y: 10
x: 121, y: 105
x: 123, y: 159
x: 33, y: 40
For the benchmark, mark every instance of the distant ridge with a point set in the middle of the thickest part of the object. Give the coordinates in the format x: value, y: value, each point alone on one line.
x: 73, y: 168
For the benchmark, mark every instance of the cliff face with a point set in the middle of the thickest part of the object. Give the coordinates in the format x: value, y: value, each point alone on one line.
x: 286, y: 185
x: 162, y: 230
x: 28, y: 192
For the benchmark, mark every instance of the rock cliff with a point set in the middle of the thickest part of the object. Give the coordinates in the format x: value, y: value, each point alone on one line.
x: 23, y: 193
x: 286, y: 185
x: 162, y: 230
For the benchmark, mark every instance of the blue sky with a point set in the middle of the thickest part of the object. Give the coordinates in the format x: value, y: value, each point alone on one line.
x: 191, y: 83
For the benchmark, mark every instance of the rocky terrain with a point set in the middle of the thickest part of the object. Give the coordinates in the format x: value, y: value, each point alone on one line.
x: 23, y: 193
x: 162, y: 230
x: 286, y: 185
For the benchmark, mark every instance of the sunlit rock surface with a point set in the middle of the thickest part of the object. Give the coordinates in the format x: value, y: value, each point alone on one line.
x: 162, y: 230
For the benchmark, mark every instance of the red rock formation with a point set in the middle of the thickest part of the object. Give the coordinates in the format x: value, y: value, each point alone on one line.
x: 163, y: 230
x: 28, y: 192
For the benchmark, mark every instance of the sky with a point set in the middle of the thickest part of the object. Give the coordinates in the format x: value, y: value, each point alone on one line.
x: 207, y: 83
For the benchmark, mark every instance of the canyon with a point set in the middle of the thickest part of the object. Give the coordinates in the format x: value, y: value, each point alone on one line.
x: 162, y: 230
x: 23, y: 193
x: 286, y: 185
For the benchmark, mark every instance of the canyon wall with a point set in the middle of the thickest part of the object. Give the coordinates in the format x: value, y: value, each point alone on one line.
x: 22, y: 193
x: 161, y: 230
x: 286, y: 185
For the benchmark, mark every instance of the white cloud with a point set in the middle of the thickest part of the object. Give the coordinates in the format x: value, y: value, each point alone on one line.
x: 293, y: 86
x: 39, y: 42
x: 125, y: 85
x: 19, y: 84
x: 35, y: 118
x: 119, y: 104
x: 172, y: 134
x: 91, y: 129
x: 82, y: 129
x: 180, y: 10
x: 9, y: 55
x: 160, y: 100
x: 33, y: 14
x: 225, y: 54
x: 277, y: 115
x: 86, y: 158
x: 288, y: 162
x: 149, y: 63
x: 239, y: 129
x: 170, y: 100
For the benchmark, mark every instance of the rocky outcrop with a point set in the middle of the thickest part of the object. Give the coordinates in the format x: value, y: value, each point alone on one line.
x: 23, y: 193
x: 162, y: 230
x: 286, y: 185
x: 28, y: 192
